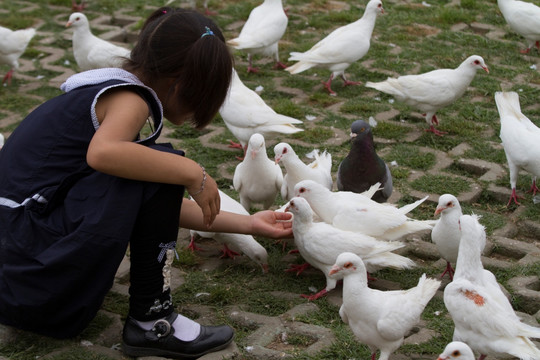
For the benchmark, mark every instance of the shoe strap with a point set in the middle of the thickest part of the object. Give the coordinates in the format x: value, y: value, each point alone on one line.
x: 162, y: 328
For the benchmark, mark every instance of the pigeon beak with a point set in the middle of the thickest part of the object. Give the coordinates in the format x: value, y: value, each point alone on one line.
x: 440, y: 209
x: 353, y: 135
x: 334, y: 270
x: 68, y: 24
x: 265, y: 268
x: 486, y: 69
x: 253, y: 154
x: 277, y: 159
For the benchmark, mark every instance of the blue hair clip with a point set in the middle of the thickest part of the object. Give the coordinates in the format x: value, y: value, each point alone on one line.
x: 207, y: 32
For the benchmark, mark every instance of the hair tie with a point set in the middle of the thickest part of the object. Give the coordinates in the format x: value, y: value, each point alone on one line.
x: 207, y: 32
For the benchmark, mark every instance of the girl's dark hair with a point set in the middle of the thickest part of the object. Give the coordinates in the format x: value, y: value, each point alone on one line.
x: 171, y: 44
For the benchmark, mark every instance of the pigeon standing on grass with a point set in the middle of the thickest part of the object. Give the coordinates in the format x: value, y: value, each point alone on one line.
x: 362, y: 167
x: 245, y: 113
x: 262, y: 31
x: 90, y: 51
x: 524, y: 18
x: 457, y: 350
x: 320, y: 244
x: 357, y: 212
x: 379, y: 319
x: 234, y: 244
x: 433, y: 90
x: 342, y: 47
x: 320, y: 170
x: 257, y: 178
x: 445, y: 234
x: 482, y: 315
x: 13, y: 43
x: 520, y: 139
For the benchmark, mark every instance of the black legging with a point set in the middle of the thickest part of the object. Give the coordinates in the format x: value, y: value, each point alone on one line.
x: 155, y: 231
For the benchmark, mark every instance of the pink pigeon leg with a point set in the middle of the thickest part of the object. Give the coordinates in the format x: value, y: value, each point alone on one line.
x: 315, y: 296
x: 228, y: 252
x: 514, y: 197
x: 450, y: 270
x: 250, y: 68
x: 349, y: 82
x: 373, y: 356
x: 534, y: 189
x: 298, y: 268
x: 327, y: 85
x: 525, y: 51
x: 279, y: 65
x: 435, y: 131
x: 482, y: 357
x: 8, y: 77
x: 192, y: 245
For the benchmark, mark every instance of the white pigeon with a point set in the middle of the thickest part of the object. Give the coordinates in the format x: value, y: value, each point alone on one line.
x: 457, y: 350
x: 320, y: 244
x: 351, y: 211
x: 90, y: 51
x: 342, y: 47
x: 257, y: 178
x: 245, y: 113
x: 433, y: 90
x: 524, y: 18
x: 13, y: 43
x: 520, y: 138
x: 319, y: 170
x: 445, y: 234
x: 482, y: 315
x: 262, y: 31
x: 233, y: 244
x: 379, y: 319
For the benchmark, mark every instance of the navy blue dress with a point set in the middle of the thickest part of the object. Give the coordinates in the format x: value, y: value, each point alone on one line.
x: 64, y: 227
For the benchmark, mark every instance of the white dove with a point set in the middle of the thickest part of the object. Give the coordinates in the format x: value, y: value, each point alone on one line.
x: 457, y: 350
x: 90, y: 51
x: 245, y: 113
x: 445, y: 234
x: 319, y: 170
x: 13, y: 43
x: 342, y: 47
x: 433, y: 90
x: 379, y: 319
x: 483, y: 316
x: 524, y: 18
x: 262, y: 31
x: 351, y: 211
x: 233, y: 244
x: 320, y: 243
x: 520, y: 139
x: 257, y: 178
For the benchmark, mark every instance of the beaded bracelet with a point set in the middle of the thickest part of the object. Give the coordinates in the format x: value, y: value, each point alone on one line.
x: 203, y: 181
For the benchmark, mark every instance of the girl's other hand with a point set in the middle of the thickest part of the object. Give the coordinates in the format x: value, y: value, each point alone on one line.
x: 208, y: 199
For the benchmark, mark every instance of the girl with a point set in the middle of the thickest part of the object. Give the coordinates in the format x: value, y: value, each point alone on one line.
x: 77, y: 184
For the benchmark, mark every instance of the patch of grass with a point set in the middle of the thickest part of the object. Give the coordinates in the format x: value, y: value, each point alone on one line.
x: 440, y: 184
x: 410, y: 156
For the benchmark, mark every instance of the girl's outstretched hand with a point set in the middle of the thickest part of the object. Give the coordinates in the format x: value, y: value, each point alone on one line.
x: 208, y: 199
x: 272, y: 224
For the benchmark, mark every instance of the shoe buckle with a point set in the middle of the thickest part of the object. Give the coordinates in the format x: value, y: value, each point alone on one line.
x: 161, y: 328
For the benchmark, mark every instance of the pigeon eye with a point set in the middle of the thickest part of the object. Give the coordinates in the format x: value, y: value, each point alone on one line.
x: 363, y: 129
x: 456, y: 353
x: 302, y: 190
x: 285, y: 150
x: 347, y: 265
x: 476, y: 62
x: 449, y: 203
x: 78, y: 18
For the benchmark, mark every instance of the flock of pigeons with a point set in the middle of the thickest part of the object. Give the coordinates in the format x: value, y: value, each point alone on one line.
x: 364, y: 229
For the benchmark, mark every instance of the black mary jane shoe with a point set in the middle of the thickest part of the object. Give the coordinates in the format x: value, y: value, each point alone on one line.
x: 160, y: 341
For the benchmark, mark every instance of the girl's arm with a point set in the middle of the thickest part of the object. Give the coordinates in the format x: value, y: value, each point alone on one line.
x: 122, y: 114
x: 272, y: 224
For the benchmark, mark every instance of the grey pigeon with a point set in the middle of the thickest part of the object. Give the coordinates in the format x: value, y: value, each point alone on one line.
x: 362, y: 167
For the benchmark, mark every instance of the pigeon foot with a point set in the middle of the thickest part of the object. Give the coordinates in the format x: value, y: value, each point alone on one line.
x: 514, y: 197
x: 320, y: 294
x: 298, y: 268
x: 435, y: 131
x: 279, y: 65
x: 534, y: 189
x: 449, y: 270
x: 228, y: 253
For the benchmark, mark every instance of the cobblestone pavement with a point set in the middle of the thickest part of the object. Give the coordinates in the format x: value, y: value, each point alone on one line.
x: 517, y: 242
